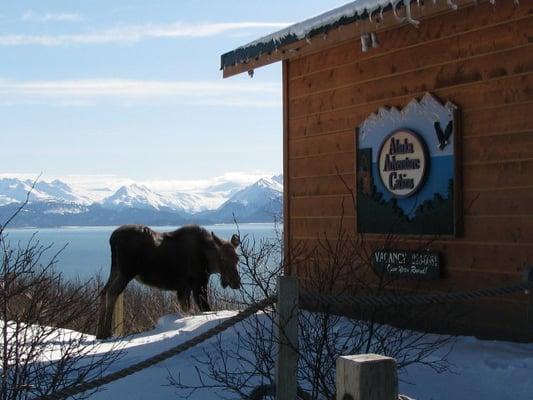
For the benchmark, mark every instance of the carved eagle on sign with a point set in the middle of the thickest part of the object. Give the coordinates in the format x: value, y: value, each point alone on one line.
x: 443, y: 136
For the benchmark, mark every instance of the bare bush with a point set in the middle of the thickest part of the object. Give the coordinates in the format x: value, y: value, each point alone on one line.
x: 144, y: 305
x: 245, y: 366
x: 38, y: 355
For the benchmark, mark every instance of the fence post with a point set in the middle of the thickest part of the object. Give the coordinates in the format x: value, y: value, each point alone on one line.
x: 287, y: 336
x: 118, y: 316
x: 528, y: 278
x: 366, y: 377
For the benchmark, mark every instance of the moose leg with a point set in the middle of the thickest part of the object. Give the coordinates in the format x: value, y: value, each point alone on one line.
x: 102, y: 309
x: 200, y: 297
x: 100, y: 334
x: 114, y: 287
x: 184, y: 295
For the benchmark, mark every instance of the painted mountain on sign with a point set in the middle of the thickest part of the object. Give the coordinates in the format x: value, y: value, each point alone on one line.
x: 386, y: 173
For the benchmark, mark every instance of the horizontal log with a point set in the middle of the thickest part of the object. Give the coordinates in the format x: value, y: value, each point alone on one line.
x: 322, y: 185
x: 471, y: 44
x: 498, y: 147
x: 495, y: 117
x: 457, y: 255
x: 496, y: 175
x: 497, y: 202
x: 493, y: 229
x: 436, y: 27
x: 463, y: 72
x: 323, y: 164
x: 504, y: 147
x: 337, y: 142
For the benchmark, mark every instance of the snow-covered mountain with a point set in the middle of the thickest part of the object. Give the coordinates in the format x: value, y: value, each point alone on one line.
x: 263, y: 191
x: 56, y: 203
x: 14, y: 190
x: 137, y: 196
x: 278, y: 179
x: 261, y: 201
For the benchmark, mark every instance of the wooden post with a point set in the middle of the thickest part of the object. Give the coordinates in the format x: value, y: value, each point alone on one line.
x: 528, y: 277
x: 118, y: 316
x: 287, y: 336
x: 366, y: 377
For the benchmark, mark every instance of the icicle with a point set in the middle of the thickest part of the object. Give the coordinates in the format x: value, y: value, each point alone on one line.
x: 251, y: 73
x: 492, y: 2
x: 370, y: 16
x: 516, y: 2
x: 451, y: 4
x: 308, y: 40
x: 365, y: 42
x: 381, y: 13
x: 394, y: 11
x: 374, y: 40
x: 410, y: 19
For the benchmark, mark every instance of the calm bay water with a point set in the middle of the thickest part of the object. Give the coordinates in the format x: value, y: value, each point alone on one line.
x: 87, y: 250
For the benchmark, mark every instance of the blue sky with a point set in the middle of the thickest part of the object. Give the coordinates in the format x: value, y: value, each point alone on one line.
x: 133, y: 89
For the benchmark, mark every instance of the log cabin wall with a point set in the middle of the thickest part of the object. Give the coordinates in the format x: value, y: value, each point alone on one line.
x: 480, y: 58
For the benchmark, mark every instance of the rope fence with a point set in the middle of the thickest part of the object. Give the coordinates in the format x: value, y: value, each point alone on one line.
x: 83, y: 387
x: 383, y: 300
x: 324, y: 300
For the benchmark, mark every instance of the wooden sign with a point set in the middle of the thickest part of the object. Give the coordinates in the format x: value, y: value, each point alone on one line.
x: 407, y: 170
x: 407, y: 264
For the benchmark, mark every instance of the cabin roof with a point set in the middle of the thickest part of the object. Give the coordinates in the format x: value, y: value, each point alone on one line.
x: 320, y: 24
x: 306, y: 29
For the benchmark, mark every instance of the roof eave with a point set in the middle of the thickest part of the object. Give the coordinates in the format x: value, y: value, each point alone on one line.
x: 259, y: 54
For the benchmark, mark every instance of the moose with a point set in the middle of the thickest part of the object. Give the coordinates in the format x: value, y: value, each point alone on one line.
x: 181, y: 260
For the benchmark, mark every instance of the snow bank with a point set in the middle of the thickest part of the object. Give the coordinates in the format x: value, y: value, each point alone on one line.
x: 481, y: 369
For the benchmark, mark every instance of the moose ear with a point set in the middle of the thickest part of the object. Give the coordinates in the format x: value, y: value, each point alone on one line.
x: 235, y: 241
x: 217, y: 240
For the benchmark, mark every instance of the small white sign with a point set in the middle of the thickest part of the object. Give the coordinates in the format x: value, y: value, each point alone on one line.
x: 403, y: 162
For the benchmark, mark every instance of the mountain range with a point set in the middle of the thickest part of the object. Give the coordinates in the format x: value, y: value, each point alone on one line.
x: 56, y: 203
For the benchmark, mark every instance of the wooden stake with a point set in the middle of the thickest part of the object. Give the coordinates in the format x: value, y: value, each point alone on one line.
x: 366, y: 377
x: 118, y: 316
x: 287, y: 335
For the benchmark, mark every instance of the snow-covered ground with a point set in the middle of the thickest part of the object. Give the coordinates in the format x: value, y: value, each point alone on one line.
x: 481, y: 369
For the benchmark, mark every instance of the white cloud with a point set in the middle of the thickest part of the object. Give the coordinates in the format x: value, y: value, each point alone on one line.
x: 130, y: 92
x: 135, y: 33
x: 32, y: 16
x: 197, y: 185
x: 93, y: 183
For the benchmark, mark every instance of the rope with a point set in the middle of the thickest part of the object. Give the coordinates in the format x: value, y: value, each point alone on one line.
x: 347, y: 300
x: 342, y: 300
x: 71, y: 391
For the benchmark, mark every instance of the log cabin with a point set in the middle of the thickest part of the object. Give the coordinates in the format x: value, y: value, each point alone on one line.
x: 422, y: 113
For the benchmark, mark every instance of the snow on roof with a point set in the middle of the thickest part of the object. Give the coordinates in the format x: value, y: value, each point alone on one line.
x: 343, y: 15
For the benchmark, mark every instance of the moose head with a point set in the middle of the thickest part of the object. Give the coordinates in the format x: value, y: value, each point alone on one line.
x: 228, y: 261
